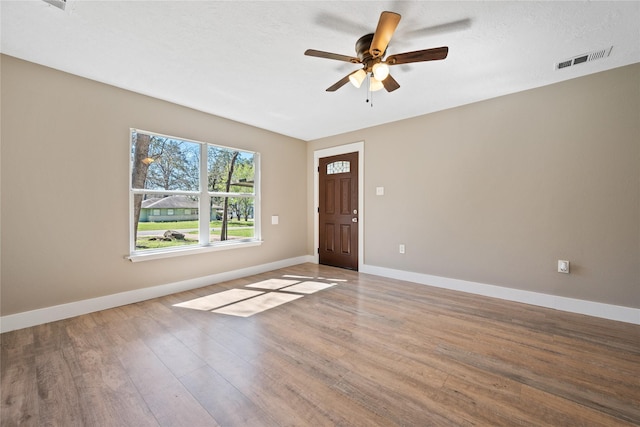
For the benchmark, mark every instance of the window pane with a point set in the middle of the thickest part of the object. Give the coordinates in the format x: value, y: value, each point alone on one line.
x: 168, y: 186
x: 240, y: 219
x: 239, y: 163
x: 163, y: 222
x: 162, y: 163
x: 338, y: 167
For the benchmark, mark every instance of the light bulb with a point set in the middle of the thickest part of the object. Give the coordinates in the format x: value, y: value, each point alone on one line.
x: 357, y: 78
x: 380, y: 71
x: 375, y: 84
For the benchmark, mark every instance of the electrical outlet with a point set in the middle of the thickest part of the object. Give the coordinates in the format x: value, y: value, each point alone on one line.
x: 401, y: 249
x: 563, y: 266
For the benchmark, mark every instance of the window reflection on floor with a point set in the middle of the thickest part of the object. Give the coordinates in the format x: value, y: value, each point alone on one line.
x: 258, y: 304
x: 262, y: 296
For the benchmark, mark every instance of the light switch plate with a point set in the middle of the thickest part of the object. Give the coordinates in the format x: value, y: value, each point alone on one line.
x: 563, y: 266
x: 379, y: 191
x: 275, y: 219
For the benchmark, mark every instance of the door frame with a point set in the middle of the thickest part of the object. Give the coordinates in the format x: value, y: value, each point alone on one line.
x: 334, y: 151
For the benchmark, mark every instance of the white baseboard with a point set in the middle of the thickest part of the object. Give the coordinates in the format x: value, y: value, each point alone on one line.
x: 590, y: 308
x: 65, y: 311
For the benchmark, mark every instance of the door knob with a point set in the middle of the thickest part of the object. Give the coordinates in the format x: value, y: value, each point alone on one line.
x: 354, y: 219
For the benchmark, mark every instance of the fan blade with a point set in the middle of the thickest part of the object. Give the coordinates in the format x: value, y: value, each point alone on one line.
x: 337, y: 22
x: 339, y: 83
x: 329, y: 55
x: 418, y: 56
x: 390, y: 84
x: 447, y: 27
x: 381, y: 38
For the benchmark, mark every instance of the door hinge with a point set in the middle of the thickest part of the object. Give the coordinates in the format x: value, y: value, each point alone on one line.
x: 318, y: 250
x: 318, y: 168
x: 318, y: 209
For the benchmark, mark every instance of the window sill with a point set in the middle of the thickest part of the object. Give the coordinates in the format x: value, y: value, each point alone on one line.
x: 151, y: 255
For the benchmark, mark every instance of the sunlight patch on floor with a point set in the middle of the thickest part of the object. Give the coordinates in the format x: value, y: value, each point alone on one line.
x: 272, y: 284
x: 220, y: 299
x: 272, y: 293
x: 257, y: 304
x: 308, y: 287
x: 317, y: 278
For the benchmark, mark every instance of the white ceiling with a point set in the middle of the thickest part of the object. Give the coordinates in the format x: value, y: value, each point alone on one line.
x: 244, y: 60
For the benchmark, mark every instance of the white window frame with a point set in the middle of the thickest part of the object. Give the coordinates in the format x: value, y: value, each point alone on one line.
x: 203, y: 208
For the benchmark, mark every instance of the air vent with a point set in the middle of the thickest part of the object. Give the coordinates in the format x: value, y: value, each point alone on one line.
x: 60, y: 4
x: 585, y: 57
x: 565, y: 64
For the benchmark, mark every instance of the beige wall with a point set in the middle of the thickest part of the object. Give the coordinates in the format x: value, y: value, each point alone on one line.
x: 65, y: 219
x: 496, y: 192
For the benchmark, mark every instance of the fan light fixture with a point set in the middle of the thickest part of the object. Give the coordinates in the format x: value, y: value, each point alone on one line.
x: 370, y: 53
x: 380, y: 71
x: 357, y: 78
x: 375, y: 84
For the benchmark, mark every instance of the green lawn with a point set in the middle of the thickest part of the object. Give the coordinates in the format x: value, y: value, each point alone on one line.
x: 189, y: 225
x: 146, y: 243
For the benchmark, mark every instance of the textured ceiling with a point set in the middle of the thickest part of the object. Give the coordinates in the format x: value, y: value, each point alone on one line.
x: 244, y: 60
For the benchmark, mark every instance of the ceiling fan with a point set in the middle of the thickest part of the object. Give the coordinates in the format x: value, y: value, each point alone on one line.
x: 371, y: 49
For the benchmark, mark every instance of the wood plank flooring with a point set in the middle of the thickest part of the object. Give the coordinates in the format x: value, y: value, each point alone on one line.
x: 367, y: 352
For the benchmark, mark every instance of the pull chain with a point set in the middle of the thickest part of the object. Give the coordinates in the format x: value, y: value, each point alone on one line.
x: 369, y: 92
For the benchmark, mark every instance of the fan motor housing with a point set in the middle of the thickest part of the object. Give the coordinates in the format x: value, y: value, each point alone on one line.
x: 362, y: 49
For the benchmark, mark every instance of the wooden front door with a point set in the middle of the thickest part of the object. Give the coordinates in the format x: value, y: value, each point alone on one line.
x: 339, y: 216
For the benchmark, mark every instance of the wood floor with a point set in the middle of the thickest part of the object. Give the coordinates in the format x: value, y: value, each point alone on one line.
x: 366, y: 352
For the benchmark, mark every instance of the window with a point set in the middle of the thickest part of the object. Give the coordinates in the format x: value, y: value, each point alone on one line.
x: 189, y: 195
x: 338, y: 167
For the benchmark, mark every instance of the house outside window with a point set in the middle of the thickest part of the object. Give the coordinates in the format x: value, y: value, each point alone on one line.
x: 189, y: 195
